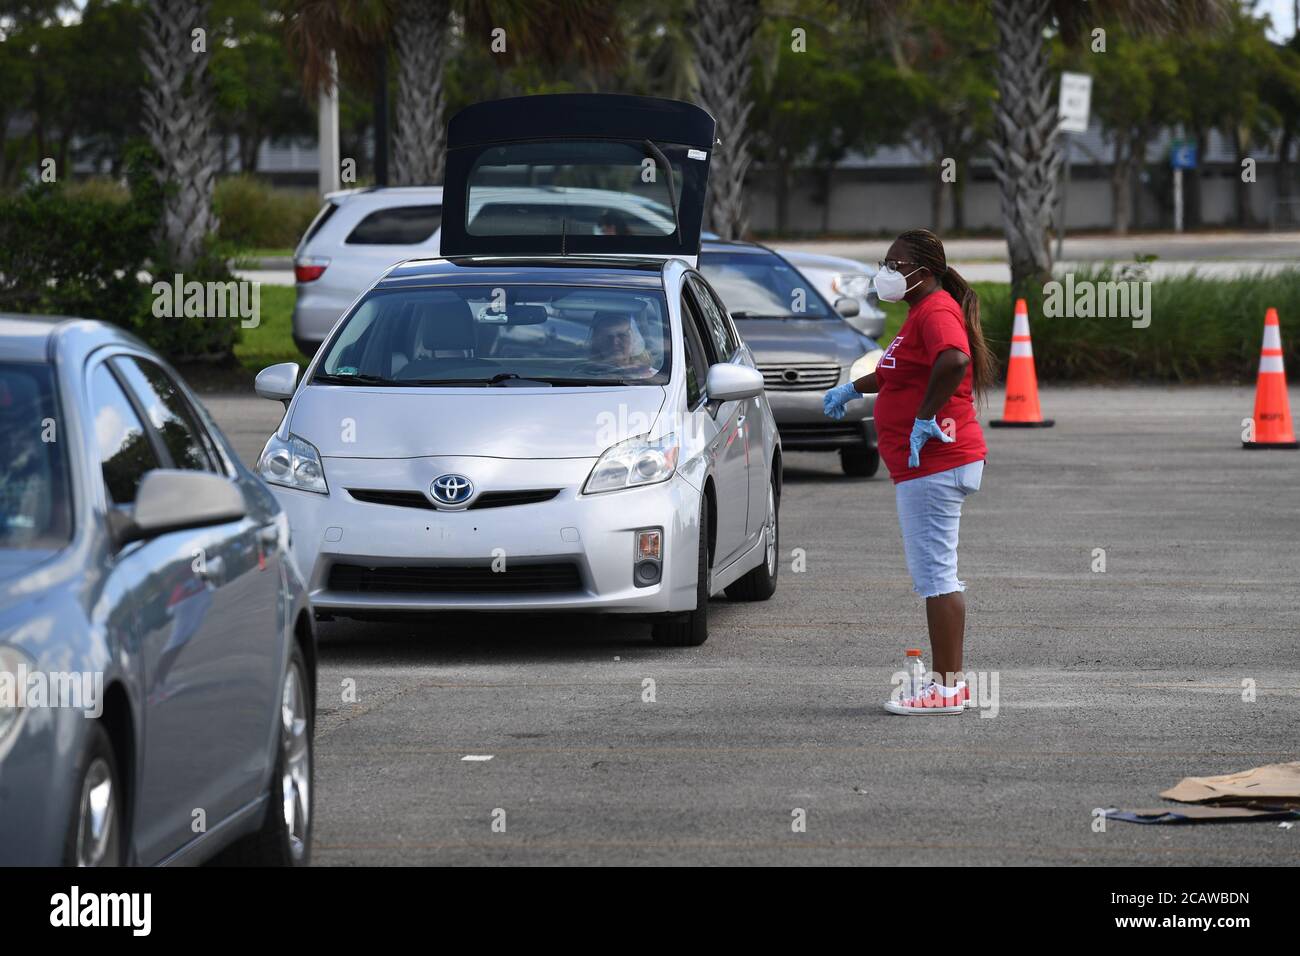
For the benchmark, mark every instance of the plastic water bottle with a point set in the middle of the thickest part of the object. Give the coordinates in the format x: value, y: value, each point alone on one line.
x: 914, y: 668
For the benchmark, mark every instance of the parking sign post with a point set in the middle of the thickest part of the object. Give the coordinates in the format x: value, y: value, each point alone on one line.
x: 1072, y: 110
x: 1182, y: 155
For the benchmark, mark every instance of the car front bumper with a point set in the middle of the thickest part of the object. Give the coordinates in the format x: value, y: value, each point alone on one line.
x: 804, y: 426
x: 39, y: 783
x: 350, y: 551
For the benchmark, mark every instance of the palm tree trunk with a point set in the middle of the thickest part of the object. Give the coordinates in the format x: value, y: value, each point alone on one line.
x: 723, y: 37
x: 1025, y: 146
x: 420, y: 36
x: 1120, y: 193
x: 178, y: 122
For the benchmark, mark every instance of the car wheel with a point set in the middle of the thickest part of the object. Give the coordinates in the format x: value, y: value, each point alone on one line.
x: 760, y: 583
x: 285, y: 836
x: 95, y: 831
x: 691, y: 629
x: 860, y: 461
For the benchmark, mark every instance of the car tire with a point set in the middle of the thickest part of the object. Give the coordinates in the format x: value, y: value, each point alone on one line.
x: 691, y: 629
x: 760, y: 583
x: 860, y: 461
x: 95, y: 834
x: 280, y: 841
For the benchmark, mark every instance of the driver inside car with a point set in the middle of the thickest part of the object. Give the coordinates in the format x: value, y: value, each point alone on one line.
x: 616, y: 341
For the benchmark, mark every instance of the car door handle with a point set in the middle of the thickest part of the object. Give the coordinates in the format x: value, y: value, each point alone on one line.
x: 214, y: 570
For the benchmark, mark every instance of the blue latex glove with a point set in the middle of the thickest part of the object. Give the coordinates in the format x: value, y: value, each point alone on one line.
x: 833, y: 401
x: 923, y: 429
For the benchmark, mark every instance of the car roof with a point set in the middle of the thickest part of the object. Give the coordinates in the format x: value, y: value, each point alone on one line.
x: 623, y: 271
x: 29, y: 338
x: 379, y: 194
x: 735, y: 245
x: 821, y: 259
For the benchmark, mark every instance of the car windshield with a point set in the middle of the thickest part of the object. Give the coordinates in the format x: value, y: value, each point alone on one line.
x: 760, y: 285
x: 35, y: 499
x: 502, y: 336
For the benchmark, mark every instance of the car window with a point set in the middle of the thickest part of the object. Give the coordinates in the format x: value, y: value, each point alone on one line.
x: 542, y: 219
x: 35, y: 497
x: 322, y: 217
x: 465, y: 335
x: 168, y: 411
x: 715, y: 323
x: 697, y: 357
x: 397, y: 226
x: 572, y: 187
x: 761, y: 285
x: 124, y: 448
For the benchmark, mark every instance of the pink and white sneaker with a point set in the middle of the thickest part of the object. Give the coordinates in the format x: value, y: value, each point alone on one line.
x: 931, y: 702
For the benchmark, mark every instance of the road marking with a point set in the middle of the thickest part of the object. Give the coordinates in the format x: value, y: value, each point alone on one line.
x: 476, y: 757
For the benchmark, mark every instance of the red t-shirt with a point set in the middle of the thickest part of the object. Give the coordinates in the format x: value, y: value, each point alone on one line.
x: 933, y: 325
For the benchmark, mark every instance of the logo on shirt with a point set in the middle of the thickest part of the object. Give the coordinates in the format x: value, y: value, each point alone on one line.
x: 887, y: 360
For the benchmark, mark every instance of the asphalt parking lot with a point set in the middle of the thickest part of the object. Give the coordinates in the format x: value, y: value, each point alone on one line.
x: 1112, y: 685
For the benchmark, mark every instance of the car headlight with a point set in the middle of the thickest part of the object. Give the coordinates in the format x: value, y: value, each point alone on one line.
x: 14, y: 667
x: 855, y: 284
x: 865, y: 365
x: 294, y: 463
x: 632, y: 463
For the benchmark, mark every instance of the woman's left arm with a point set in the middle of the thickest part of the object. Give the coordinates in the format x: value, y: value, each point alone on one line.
x: 945, y: 377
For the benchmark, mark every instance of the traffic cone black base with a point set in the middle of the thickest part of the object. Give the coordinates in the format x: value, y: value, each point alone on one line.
x: 1001, y: 423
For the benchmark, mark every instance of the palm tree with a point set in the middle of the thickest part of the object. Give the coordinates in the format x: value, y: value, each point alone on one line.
x: 724, y: 39
x: 1026, y: 148
x: 421, y: 31
x: 424, y: 33
x: 178, y: 122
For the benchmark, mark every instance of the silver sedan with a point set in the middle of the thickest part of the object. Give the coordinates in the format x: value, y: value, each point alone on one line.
x: 157, y: 648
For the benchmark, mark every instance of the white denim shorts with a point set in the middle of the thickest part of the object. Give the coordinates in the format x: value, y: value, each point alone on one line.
x: 929, y: 514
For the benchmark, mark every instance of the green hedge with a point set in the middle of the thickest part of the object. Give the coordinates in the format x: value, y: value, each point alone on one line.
x: 254, y: 215
x: 68, y: 254
x: 81, y: 249
x: 1202, y: 330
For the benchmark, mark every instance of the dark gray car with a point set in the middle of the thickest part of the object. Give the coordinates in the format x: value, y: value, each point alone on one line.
x: 802, y: 346
x: 157, y: 651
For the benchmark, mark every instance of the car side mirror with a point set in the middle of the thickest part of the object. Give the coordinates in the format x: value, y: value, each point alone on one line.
x: 173, y: 500
x: 277, y: 382
x: 729, y: 383
x: 847, y: 307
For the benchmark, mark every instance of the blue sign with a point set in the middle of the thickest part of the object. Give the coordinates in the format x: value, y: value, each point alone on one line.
x: 1182, y: 155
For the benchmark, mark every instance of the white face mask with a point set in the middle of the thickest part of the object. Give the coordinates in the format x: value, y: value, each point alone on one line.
x: 891, y: 286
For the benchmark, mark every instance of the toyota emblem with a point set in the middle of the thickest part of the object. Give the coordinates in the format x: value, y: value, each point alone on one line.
x: 451, y: 489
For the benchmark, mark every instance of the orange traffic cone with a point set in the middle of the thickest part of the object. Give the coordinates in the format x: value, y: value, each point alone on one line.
x: 1021, y: 407
x: 1273, y: 428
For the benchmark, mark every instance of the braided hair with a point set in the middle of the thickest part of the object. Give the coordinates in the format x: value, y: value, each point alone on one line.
x: 928, y: 250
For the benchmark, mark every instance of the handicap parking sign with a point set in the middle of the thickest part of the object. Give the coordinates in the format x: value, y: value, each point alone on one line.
x: 1182, y: 155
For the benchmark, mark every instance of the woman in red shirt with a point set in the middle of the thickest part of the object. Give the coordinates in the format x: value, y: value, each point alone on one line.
x: 930, y: 440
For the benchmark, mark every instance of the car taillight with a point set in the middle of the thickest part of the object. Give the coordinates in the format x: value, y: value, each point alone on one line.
x: 309, y: 268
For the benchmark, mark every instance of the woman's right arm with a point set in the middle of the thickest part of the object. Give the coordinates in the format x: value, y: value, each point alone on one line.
x: 867, y: 384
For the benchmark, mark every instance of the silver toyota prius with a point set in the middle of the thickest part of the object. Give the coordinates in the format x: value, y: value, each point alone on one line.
x: 558, y: 414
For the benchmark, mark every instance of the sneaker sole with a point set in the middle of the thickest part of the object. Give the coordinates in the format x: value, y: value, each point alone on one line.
x: 900, y: 711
